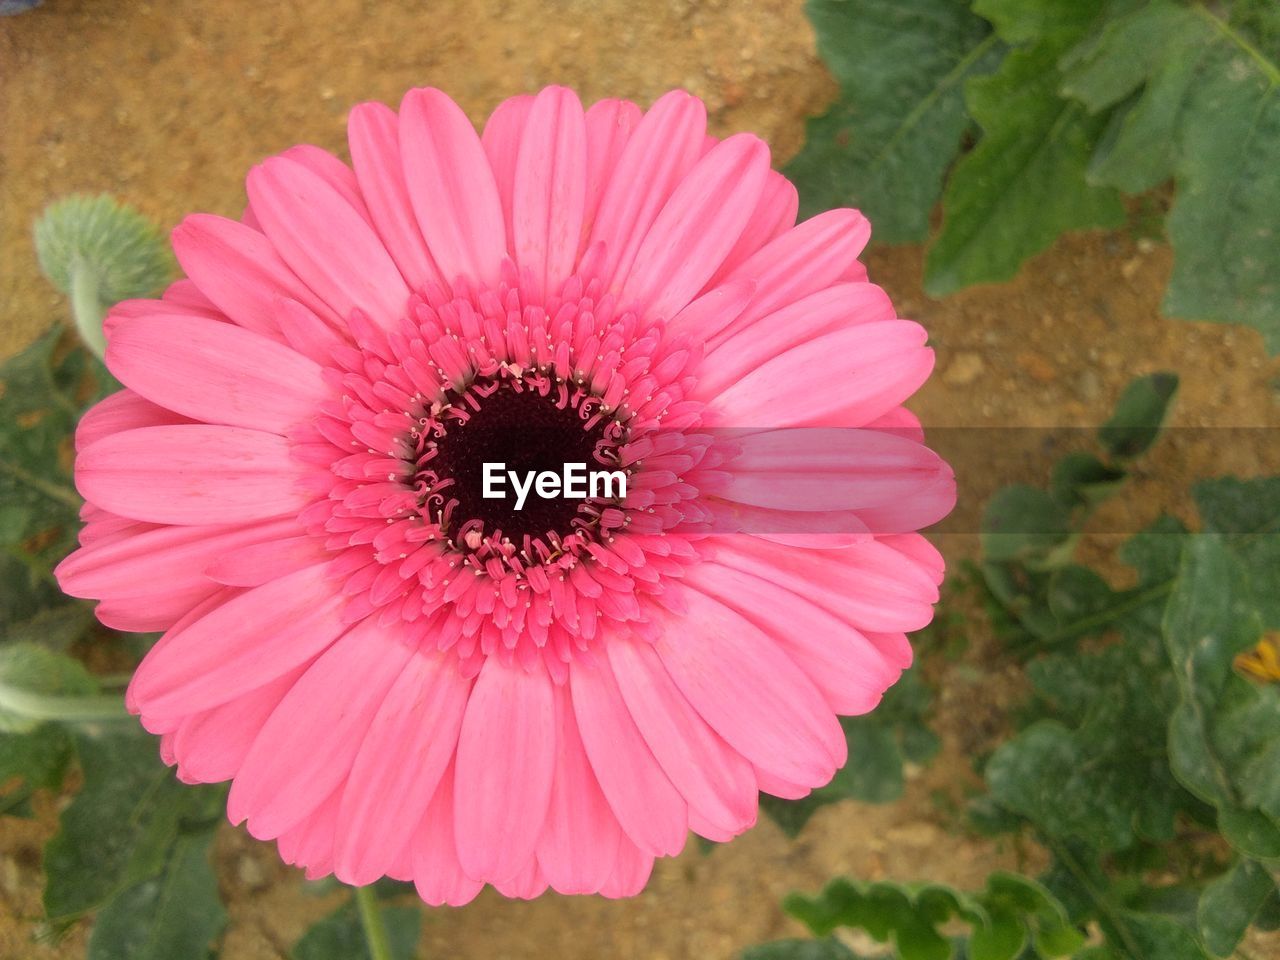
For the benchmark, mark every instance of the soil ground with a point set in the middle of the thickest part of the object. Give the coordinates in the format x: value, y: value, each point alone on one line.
x: 167, y: 104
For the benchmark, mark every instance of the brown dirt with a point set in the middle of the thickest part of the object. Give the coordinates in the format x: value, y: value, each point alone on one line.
x: 166, y: 105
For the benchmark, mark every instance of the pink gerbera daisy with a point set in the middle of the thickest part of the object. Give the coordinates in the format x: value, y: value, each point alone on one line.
x: 404, y: 677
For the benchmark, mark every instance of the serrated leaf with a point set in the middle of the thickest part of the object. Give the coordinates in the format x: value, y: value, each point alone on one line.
x: 1024, y: 183
x: 119, y: 829
x: 1139, y: 414
x: 887, y: 141
x: 339, y: 936
x: 1230, y: 903
x: 174, y: 915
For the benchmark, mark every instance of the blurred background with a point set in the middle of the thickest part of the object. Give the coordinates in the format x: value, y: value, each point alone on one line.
x: 166, y: 105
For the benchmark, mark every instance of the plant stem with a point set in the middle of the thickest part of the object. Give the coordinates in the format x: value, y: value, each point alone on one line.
x: 88, y: 309
x: 375, y: 931
x: 69, y: 709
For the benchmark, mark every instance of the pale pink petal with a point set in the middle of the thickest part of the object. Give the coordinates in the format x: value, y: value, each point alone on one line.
x: 451, y: 187
x: 714, y: 779
x: 774, y: 214
x: 527, y: 884
x: 326, y: 242
x: 186, y: 296
x: 239, y: 646
x: 775, y: 786
x: 550, y: 189
x: 123, y: 410
x: 920, y: 551
x: 506, y: 759
x: 714, y: 310
x: 192, y: 474
x: 373, y: 134
x: 238, y: 269
x: 309, y: 843
x: 437, y: 874
x: 663, y: 148
x: 501, y: 142
x: 610, y: 124
x: 579, y: 841
x: 750, y: 692
x: 651, y: 811
x: 834, y: 308
x: 894, y: 647
x: 216, y: 372
x: 900, y: 421
x: 333, y: 172
x: 404, y: 754
x: 698, y: 226
x: 630, y: 872
x: 875, y: 365
x: 842, y: 663
x: 307, y: 747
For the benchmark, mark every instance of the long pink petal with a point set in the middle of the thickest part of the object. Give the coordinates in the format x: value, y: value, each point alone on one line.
x: 501, y: 142
x: 714, y: 778
x: 774, y: 215
x: 437, y: 874
x: 698, y: 226
x: 579, y: 841
x: 750, y: 692
x: 326, y: 242
x: 451, y: 187
x: 550, y: 189
x: 239, y: 646
x: 373, y: 135
x: 192, y: 473
x: 630, y: 873
x: 123, y: 410
x: 663, y: 148
x: 610, y: 124
x: 332, y: 171
x: 307, y: 747
x: 506, y: 759
x: 216, y: 372
x: 398, y: 768
x: 651, y: 811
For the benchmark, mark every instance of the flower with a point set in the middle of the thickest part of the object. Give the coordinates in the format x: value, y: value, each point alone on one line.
x: 402, y: 677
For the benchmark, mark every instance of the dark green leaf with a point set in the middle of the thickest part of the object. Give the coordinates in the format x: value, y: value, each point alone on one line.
x: 885, y: 144
x: 1230, y: 903
x: 1139, y: 415
x: 1024, y: 524
x: 174, y: 915
x: 339, y: 936
x: 826, y: 949
x: 31, y: 761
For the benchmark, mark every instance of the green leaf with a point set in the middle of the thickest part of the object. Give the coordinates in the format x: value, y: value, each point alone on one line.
x: 31, y: 761
x: 1230, y: 903
x: 1024, y: 183
x: 1205, y: 108
x: 32, y: 679
x: 339, y: 936
x: 174, y: 915
x: 886, y: 143
x: 120, y: 827
x: 1138, y: 416
x: 1023, y: 524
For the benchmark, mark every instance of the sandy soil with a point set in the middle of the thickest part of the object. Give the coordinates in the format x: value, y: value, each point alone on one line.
x: 167, y: 104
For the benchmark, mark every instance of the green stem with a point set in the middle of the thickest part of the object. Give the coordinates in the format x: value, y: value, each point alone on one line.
x: 45, y: 706
x: 88, y: 309
x: 375, y: 931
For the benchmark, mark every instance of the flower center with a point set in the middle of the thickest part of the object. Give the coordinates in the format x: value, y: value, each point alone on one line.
x: 516, y: 429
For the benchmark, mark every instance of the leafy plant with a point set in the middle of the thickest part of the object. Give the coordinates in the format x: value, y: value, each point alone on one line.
x: 1069, y: 105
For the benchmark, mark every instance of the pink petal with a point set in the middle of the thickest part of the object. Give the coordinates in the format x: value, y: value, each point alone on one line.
x: 714, y: 779
x: 527, y: 884
x: 919, y: 551
x: 579, y: 842
x: 550, y: 189
x: 750, y: 692
x: 333, y: 172
x: 506, y: 759
x: 123, y: 410
x: 326, y: 242
x: 712, y: 311
x: 610, y: 124
x: 373, y: 134
x: 664, y: 147
x: 259, y: 563
x: 309, y: 843
x: 652, y: 813
x: 451, y: 187
x: 774, y: 214
x: 285, y: 776
x: 408, y: 746
x: 501, y: 142
x: 630, y: 873
x: 238, y: 269
x: 437, y: 874
x: 239, y: 646
x: 192, y: 474
x: 805, y: 259
x: 838, y: 307
x: 875, y: 365
x: 843, y: 664
x: 900, y: 421
x: 216, y: 372
x: 698, y: 226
